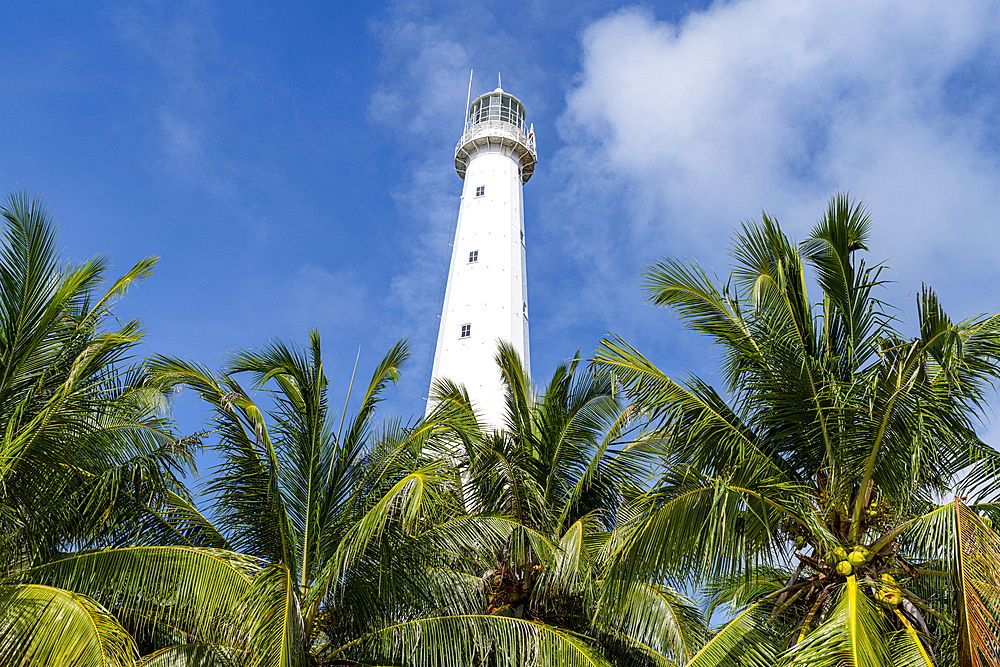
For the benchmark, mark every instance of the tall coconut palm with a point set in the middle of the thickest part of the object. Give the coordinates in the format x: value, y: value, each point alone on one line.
x: 555, y: 469
x: 807, y: 491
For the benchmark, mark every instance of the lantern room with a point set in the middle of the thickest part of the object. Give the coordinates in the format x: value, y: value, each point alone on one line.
x: 497, y: 106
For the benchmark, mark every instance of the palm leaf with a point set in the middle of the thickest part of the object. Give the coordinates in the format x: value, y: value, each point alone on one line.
x: 43, y: 626
x: 956, y: 538
x: 742, y: 641
x: 852, y: 635
x: 660, y: 618
x: 193, y: 589
x: 274, y: 613
x: 908, y: 649
x: 194, y: 655
x: 978, y: 553
x: 466, y: 640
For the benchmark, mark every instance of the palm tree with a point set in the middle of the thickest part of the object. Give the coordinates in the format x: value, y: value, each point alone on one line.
x: 554, y: 471
x: 809, y: 494
x: 331, y: 541
x: 84, y: 454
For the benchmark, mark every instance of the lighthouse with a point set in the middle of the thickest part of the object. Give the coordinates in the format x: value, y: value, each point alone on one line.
x: 486, y: 298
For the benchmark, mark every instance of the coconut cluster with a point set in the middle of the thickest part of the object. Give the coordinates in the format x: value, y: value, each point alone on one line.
x: 845, y: 563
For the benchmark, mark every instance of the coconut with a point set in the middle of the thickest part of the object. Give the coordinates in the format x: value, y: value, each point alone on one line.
x: 845, y: 568
x: 840, y: 553
x: 888, y: 596
x: 856, y: 558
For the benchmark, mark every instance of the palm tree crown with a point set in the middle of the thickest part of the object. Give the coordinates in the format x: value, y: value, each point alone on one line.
x: 807, y: 494
x: 86, y: 460
x: 556, y: 472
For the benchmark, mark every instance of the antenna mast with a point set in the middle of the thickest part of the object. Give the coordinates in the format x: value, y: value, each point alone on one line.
x: 468, y: 98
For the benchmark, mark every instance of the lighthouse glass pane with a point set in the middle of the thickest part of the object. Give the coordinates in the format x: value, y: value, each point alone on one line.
x: 466, y: 330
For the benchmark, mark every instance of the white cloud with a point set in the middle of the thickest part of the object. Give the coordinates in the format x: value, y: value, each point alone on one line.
x: 429, y: 69
x: 778, y: 104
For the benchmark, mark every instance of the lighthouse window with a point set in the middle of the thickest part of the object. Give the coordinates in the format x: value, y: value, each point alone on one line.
x: 473, y: 256
x: 481, y: 190
x: 505, y: 110
x: 466, y: 330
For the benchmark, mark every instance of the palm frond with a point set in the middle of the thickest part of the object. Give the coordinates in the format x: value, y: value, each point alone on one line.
x: 978, y: 553
x: 908, y: 648
x: 249, y: 505
x: 464, y: 640
x: 199, y: 654
x: 41, y: 626
x: 193, y: 589
x: 853, y: 634
x: 659, y: 617
x: 742, y: 641
x: 274, y: 613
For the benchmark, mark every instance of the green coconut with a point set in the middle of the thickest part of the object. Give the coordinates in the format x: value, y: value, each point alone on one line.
x: 840, y: 553
x: 856, y: 558
x: 845, y: 568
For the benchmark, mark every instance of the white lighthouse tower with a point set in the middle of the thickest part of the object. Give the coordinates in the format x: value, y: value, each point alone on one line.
x: 486, y: 299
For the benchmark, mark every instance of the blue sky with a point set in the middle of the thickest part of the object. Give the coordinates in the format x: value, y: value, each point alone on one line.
x: 292, y: 165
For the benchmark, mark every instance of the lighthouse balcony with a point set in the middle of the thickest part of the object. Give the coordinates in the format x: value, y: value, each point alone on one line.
x: 497, y: 136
